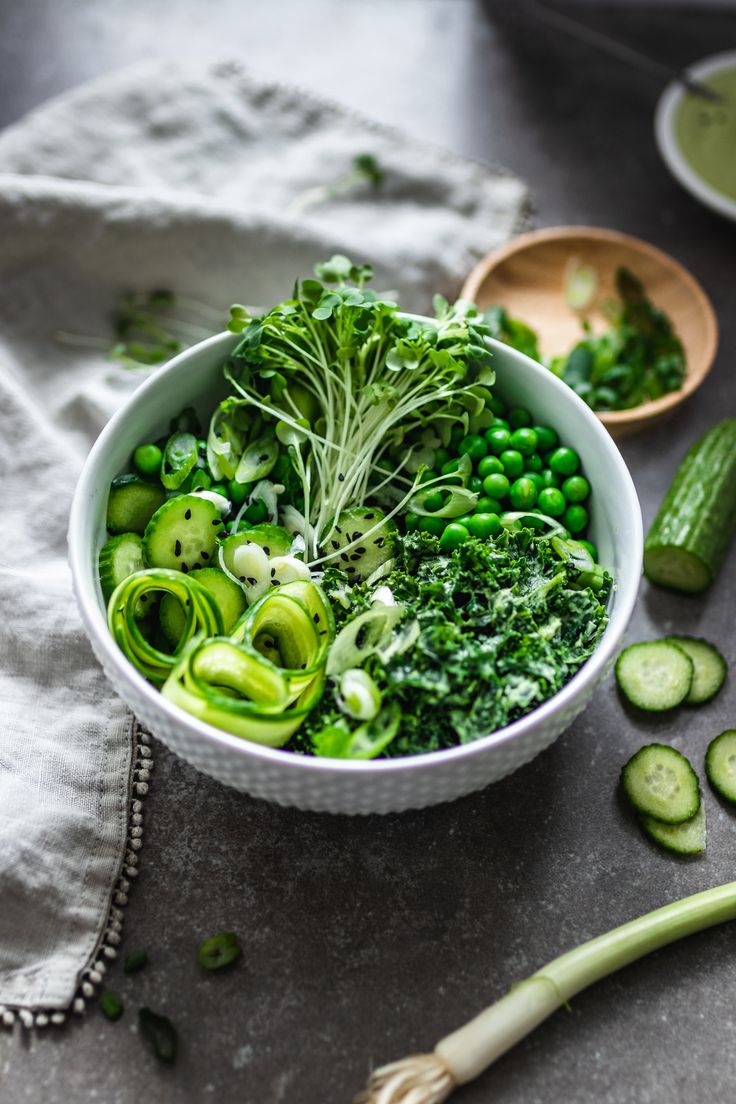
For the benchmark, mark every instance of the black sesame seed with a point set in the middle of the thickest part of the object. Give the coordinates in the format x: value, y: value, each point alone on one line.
x: 273, y: 572
x: 177, y: 549
x: 144, y: 597
x: 184, y: 568
x: 242, y: 578
x: 251, y: 580
x: 267, y: 550
x: 274, y: 582
x: 341, y: 477
x: 379, y: 543
x: 323, y: 632
x: 338, y: 530
x: 303, y: 667
x: 355, y: 557
x: 196, y: 566
x: 187, y: 515
x: 361, y: 550
x: 344, y: 556
x: 335, y: 544
x: 204, y: 555
x: 216, y: 521
x: 356, y: 536
x: 369, y: 517
x: 316, y: 619
x: 263, y: 458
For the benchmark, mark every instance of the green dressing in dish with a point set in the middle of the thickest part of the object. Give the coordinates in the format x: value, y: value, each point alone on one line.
x: 706, y: 133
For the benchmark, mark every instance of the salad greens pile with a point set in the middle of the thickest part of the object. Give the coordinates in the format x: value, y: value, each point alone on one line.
x: 369, y: 551
x: 638, y: 358
x: 487, y: 633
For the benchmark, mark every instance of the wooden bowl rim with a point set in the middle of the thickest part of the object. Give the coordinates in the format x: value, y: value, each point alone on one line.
x: 695, y: 373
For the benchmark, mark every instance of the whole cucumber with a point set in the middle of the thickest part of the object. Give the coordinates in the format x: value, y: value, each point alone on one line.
x: 688, y: 540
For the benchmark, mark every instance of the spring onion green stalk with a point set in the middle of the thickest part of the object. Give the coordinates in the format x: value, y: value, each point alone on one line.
x: 466, y: 1053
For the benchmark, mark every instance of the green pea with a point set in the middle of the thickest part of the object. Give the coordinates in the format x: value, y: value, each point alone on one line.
x: 552, y: 501
x: 576, y: 488
x: 475, y: 484
x: 550, y: 478
x: 524, y: 440
x: 486, y: 505
x: 462, y: 520
x: 496, y: 485
x: 256, y: 512
x: 500, y: 423
x: 148, y: 459
x: 473, y: 446
x: 412, y: 522
x: 450, y: 466
x: 483, y: 525
x: 433, y: 501
x: 513, y: 463
x: 523, y: 494
x: 533, y: 462
x: 221, y: 489
x: 590, y: 548
x: 564, y: 461
x: 238, y: 492
x: 498, y: 406
x: 433, y: 525
x: 546, y: 437
x: 111, y: 1005
x: 441, y: 456
x: 453, y: 536
x: 488, y: 465
x: 575, y: 519
x: 536, y: 480
x: 498, y: 440
x: 519, y: 417
x: 427, y: 475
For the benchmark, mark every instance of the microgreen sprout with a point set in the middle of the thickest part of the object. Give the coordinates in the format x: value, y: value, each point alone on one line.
x: 365, y: 171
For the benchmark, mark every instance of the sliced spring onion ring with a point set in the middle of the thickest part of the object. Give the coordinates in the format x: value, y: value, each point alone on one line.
x: 201, y: 613
x: 362, y: 637
x: 533, y: 520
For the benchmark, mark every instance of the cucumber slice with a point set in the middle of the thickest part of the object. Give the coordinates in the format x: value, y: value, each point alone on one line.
x: 687, y: 838
x: 659, y: 782
x: 360, y: 541
x: 182, y: 534
x: 654, y: 676
x: 688, y: 540
x: 274, y: 541
x: 720, y: 764
x: 120, y: 557
x: 132, y: 504
x: 228, y: 596
x: 709, y: 668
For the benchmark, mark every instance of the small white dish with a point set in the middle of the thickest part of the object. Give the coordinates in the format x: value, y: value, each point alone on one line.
x: 665, y: 130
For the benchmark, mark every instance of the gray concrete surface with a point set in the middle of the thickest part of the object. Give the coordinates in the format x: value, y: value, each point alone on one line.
x: 368, y: 939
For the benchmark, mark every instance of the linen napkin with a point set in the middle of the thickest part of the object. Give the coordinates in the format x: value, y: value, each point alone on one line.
x: 222, y: 187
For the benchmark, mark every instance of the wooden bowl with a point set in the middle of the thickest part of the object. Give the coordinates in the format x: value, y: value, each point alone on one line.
x: 527, y: 278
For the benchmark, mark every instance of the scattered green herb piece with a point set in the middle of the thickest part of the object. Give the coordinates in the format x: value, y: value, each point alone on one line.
x: 637, y: 359
x: 136, y: 962
x: 160, y: 1035
x: 110, y: 1004
x: 219, y: 951
x: 365, y: 169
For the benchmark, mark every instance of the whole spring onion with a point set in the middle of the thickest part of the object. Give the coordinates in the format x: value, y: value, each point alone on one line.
x: 466, y: 1053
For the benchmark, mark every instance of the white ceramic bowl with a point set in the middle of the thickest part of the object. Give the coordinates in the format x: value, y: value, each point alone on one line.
x: 195, y: 378
x: 665, y: 132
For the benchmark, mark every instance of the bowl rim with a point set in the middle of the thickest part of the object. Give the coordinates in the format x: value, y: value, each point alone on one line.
x: 617, y: 419
x: 86, y: 590
x: 664, y: 133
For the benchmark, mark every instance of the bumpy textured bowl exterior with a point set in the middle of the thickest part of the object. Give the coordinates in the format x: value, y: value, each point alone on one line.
x: 195, y: 378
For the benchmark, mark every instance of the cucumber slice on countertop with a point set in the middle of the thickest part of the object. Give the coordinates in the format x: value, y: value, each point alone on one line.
x: 182, y: 534
x: 720, y: 764
x: 120, y: 557
x: 654, y: 676
x: 687, y: 838
x: 659, y: 782
x: 132, y: 503
x: 709, y: 668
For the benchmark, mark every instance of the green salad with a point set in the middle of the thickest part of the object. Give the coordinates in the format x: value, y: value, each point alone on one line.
x: 364, y: 550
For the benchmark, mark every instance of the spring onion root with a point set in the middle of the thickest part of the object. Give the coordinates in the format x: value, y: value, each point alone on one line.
x: 466, y: 1053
